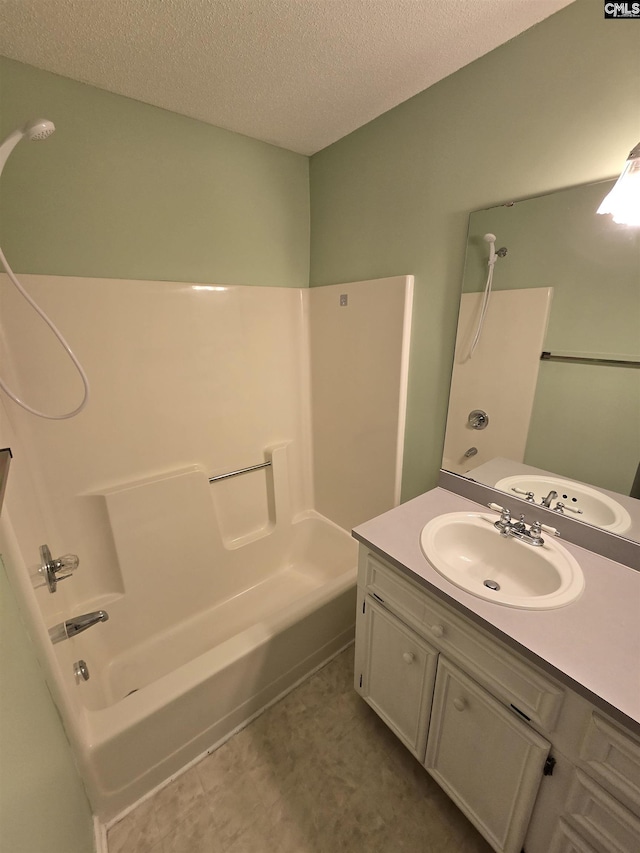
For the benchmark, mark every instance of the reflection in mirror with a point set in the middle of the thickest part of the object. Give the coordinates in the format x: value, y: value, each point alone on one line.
x: 568, y: 286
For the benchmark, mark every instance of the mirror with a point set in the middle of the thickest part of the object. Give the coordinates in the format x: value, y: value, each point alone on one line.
x: 568, y: 286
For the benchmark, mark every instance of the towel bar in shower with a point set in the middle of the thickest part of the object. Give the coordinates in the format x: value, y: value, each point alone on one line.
x: 240, y: 471
x: 577, y: 358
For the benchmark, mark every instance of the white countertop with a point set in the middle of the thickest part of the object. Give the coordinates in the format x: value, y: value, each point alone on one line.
x: 593, y: 644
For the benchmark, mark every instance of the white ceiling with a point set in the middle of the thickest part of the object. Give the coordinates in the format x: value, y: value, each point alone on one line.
x: 297, y: 73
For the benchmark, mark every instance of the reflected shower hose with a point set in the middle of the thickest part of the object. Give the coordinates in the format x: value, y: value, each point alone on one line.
x: 36, y: 130
x: 493, y: 257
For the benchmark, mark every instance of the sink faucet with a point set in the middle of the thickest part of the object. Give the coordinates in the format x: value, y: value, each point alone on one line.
x: 76, y: 625
x: 518, y: 529
x: 550, y: 497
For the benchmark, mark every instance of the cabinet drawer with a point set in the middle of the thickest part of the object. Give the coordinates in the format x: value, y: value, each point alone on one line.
x: 516, y: 683
x: 613, y: 758
x: 603, y: 821
x: 387, y: 586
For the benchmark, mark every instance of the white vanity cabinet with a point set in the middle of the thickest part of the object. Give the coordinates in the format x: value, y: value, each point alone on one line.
x: 525, y: 758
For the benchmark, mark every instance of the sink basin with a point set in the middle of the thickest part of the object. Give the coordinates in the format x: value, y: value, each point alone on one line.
x: 466, y: 549
x: 597, y: 508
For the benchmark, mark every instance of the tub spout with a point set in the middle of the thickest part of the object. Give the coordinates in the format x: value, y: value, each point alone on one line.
x: 76, y: 625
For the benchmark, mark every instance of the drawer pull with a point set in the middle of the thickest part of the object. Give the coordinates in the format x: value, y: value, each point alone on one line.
x: 408, y: 657
x: 437, y: 630
x: 459, y: 704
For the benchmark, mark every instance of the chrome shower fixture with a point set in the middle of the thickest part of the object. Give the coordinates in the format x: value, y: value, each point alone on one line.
x: 76, y: 625
x: 49, y: 569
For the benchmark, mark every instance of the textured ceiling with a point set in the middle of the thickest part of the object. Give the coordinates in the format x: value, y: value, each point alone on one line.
x: 297, y: 73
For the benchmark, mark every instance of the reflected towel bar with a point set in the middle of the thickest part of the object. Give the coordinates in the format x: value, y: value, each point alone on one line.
x: 239, y: 471
x: 577, y: 359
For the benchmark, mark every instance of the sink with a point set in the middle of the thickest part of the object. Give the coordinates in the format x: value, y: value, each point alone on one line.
x: 466, y: 549
x: 597, y: 508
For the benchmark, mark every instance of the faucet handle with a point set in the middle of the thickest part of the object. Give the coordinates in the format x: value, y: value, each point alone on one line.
x: 52, y: 570
x: 505, y: 514
x: 537, y: 527
x: 529, y: 496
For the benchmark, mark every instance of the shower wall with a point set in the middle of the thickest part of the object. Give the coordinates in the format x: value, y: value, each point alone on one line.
x: 507, y: 357
x: 188, y: 382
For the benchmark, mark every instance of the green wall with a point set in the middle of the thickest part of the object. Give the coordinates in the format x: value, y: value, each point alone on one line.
x: 555, y: 107
x: 126, y: 190
x: 43, y: 806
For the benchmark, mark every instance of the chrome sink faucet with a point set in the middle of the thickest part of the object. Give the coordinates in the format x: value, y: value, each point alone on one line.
x: 550, y: 497
x: 76, y: 625
x: 518, y: 529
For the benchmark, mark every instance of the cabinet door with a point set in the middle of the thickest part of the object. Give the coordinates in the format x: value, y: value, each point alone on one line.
x: 485, y: 758
x: 567, y: 840
x: 398, y: 677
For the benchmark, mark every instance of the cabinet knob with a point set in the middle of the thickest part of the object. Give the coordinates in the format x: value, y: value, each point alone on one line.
x: 437, y: 630
x: 459, y: 704
x: 408, y: 657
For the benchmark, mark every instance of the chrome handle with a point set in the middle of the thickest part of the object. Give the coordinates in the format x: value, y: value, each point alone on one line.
x: 81, y: 671
x: 478, y: 419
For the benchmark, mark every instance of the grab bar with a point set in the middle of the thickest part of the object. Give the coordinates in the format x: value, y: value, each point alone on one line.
x: 239, y: 471
x: 588, y: 359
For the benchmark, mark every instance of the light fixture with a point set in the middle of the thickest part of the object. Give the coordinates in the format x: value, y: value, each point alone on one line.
x: 623, y: 202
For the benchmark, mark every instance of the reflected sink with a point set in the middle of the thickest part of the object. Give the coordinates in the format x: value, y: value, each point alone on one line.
x: 466, y: 549
x: 597, y: 508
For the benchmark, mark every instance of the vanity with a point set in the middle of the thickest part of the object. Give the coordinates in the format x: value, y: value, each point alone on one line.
x: 529, y: 719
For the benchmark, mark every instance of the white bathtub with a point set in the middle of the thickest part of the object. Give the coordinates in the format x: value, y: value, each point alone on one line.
x: 198, y: 680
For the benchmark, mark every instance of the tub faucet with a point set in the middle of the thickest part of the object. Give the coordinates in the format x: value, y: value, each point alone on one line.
x: 550, y: 497
x: 76, y: 625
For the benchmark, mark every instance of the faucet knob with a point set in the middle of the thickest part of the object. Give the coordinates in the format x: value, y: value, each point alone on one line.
x: 51, y: 570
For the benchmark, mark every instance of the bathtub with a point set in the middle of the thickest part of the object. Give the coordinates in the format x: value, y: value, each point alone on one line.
x: 148, y: 712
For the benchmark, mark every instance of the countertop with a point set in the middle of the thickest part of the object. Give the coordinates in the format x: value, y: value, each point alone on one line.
x: 592, y: 645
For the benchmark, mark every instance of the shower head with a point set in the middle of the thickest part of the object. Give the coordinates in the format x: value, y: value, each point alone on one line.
x: 491, y: 240
x: 36, y: 129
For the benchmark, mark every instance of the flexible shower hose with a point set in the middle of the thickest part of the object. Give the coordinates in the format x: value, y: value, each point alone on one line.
x: 485, y: 305
x: 63, y: 343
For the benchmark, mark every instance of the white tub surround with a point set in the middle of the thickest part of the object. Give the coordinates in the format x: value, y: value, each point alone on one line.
x: 221, y: 592
x: 513, y: 334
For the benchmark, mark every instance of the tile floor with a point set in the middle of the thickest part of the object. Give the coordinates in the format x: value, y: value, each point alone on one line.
x: 316, y: 772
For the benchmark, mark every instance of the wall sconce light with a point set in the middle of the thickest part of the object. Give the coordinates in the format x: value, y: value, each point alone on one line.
x: 623, y: 202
